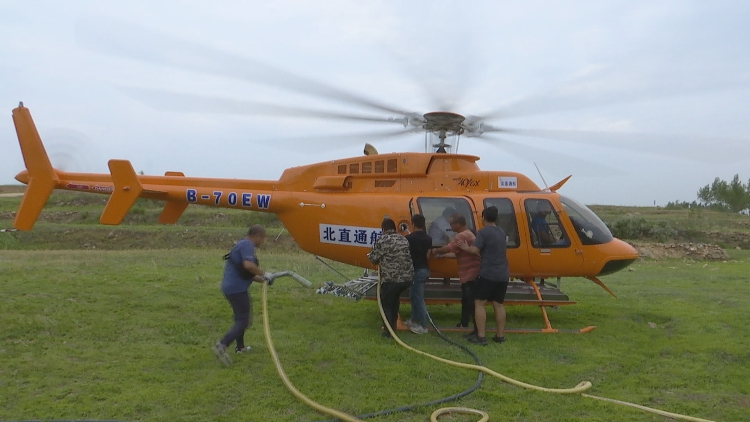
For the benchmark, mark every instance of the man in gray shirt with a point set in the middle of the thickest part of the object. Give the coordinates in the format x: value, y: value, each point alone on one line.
x: 494, y: 275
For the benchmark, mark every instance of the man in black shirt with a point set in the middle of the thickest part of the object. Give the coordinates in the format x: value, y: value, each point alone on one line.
x: 419, y: 246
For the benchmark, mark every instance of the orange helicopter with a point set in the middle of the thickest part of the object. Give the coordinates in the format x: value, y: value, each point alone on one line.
x: 333, y: 209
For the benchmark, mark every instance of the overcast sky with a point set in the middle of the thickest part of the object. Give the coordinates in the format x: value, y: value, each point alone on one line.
x: 649, y: 98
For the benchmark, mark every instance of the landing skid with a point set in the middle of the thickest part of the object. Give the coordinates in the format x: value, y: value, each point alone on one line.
x: 521, y: 330
x: 448, y: 291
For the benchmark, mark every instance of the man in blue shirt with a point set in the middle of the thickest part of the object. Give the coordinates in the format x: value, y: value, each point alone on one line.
x: 240, y: 270
x: 540, y: 227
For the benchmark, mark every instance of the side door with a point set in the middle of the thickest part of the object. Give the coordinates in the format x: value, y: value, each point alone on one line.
x: 551, y: 251
x: 437, y: 211
x: 508, y: 221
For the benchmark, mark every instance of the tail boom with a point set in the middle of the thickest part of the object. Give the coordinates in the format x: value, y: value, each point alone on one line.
x: 125, y: 186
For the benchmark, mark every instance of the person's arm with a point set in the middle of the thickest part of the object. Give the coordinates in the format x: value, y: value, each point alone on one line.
x: 545, y: 234
x: 445, y: 255
x: 247, y: 253
x: 375, y: 254
x: 470, y: 249
x: 447, y: 251
x: 474, y: 249
x: 252, y: 268
x: 255, y: 270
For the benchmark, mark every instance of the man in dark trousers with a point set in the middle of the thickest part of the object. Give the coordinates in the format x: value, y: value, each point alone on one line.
x: 494, y: 275
x: 419, y: 246
x: 240, y: 270
x: 391, y: 253
x: 468, y: 265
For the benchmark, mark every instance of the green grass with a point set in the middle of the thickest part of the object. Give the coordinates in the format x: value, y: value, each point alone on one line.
x: 115, y: 323
x: 685, y: 220
x: 125, y: 335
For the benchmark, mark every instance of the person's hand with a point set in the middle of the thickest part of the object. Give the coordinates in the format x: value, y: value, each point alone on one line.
x: 270, y: 277
x: 462, y: 244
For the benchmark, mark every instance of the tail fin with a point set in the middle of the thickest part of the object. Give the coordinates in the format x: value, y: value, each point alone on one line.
x: 126, y: 191
x: 42, y: 177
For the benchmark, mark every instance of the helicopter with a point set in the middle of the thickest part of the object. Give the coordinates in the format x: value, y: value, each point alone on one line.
x: 333, y: 209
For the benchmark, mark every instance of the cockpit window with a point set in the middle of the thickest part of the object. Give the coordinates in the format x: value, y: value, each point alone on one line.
x: 544, y: 225
x: 506, y: 219
x: 590, y: 228
x: 437, y: 212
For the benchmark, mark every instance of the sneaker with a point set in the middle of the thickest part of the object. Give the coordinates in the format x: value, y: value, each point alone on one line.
x: 497, y: 339
x: 409, y: 323
x: 418, y: 329
x: 459, y: 325
x: 471, y: 334
x: 482, y: 341
x: 221, y: 353
x: 243, y: 350
x: 386, y: 334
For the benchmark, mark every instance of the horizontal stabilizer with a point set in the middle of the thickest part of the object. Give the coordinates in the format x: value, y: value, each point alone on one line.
x: 126, y: 191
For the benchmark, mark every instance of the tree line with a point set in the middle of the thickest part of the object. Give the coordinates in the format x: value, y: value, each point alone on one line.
x: 732, y: 196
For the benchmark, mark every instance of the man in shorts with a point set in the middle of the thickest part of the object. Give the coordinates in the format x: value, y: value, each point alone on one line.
x: 492, y: 283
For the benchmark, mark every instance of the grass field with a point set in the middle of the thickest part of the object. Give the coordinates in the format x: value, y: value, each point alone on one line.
x: 125, y: 335
x: 116, y: 323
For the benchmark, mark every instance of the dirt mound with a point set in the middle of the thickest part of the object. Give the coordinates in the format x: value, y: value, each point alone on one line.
x: 697, y: 251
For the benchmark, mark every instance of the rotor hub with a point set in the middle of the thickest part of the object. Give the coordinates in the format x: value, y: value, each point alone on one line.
x: 438, y: 121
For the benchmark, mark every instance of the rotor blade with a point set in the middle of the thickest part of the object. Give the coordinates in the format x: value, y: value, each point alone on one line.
x: 195, y: 103
x: 112, y: 36
x: 71, y: 150
x: 342, y: 138
x: 444, y: 60
x: 620, y: 85
x: 564, y: 164
x: 696, y: 148
x: 444, y: 85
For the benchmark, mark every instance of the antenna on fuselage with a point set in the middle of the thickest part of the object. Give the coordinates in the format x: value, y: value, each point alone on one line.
x: 540, y: 175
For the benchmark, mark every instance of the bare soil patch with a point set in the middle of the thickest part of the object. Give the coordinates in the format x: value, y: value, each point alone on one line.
x: 696, y: 251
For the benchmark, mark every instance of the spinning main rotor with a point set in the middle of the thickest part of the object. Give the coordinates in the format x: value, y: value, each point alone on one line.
x: 442, y: 128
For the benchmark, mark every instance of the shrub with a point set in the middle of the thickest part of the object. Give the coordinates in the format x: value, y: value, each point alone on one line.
x: 640, y: 228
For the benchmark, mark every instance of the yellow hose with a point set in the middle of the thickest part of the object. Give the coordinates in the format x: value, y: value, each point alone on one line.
x: 579, y: 389
x: 463, y: 410
x: 272, y: 350
x: 648, y: 409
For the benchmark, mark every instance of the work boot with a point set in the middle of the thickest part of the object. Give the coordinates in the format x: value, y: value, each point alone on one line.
x: 221, y: 353
x: 418, y: 329
x: 482, y: 341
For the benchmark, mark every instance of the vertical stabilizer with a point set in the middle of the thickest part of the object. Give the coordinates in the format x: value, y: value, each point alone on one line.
x: 42, y: 178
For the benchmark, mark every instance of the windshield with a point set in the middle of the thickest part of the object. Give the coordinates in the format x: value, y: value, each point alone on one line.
x: 589, y: 227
